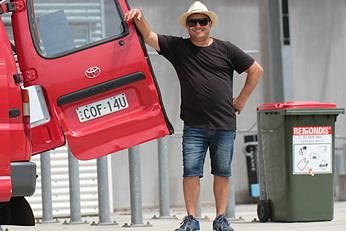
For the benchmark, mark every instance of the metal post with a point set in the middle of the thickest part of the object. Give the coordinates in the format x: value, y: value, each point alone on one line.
x: 163, y: 177
x: 341, y: 176
x: 73, y: 170
x: 135, y: 186
x: 343, y: 159
x: 103, y: 191
x: 46, y: 186
x: 230, y: 211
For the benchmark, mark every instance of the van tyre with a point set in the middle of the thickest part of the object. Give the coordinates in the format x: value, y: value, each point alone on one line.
x: 16, y: 212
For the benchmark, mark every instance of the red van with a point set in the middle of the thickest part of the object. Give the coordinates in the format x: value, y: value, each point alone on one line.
x: 90, y: 75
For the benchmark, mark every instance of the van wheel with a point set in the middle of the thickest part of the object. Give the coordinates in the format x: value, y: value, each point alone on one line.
x: 263, y: 210
x: 16, y: 212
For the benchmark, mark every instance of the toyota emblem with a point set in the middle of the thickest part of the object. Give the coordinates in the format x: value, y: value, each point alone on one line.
x: 92, y: 72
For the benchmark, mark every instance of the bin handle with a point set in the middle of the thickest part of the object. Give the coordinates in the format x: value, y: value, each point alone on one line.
x: 246, y: 153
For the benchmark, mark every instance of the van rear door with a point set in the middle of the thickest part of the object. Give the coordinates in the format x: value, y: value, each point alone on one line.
x: 95, y: 76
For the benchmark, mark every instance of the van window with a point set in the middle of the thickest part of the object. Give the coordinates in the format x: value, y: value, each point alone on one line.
x: 60, y: 28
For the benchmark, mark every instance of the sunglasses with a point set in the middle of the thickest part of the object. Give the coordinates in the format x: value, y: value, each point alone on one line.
x: 201, y: 21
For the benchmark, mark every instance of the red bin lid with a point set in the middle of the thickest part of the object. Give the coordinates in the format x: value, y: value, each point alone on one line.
x: 295, y: 105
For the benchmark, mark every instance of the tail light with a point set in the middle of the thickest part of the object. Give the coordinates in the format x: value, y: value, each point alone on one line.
x: 26, y: 105
x: 26, y: 111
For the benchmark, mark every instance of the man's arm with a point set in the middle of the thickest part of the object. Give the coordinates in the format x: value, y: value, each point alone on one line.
x: 148, y: 35
x: 254, y: 73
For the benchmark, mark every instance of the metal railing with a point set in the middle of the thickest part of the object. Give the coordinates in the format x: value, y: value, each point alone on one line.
x: 104, y: 213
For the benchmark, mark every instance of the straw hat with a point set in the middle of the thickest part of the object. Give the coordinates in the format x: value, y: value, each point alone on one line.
x: 197, y: 8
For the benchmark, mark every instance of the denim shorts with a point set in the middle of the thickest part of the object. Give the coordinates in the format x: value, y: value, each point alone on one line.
x: 196, y: 142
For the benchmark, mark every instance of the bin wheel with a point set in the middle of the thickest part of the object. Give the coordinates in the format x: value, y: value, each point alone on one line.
x: 263, y: 210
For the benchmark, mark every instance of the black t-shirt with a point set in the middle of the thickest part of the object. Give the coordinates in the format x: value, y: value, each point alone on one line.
x: 206, y: 79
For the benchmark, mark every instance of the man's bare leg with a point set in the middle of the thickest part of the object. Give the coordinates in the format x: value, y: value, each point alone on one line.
x: 191, y: 187
x: 221, y: 190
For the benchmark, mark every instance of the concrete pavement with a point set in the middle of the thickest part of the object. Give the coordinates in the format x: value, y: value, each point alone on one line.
x: 246, y: 219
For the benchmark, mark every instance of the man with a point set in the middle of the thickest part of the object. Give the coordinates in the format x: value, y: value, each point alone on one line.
x: 205, y: 67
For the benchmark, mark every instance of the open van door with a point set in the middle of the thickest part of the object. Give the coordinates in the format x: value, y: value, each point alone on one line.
x: 94, y: 73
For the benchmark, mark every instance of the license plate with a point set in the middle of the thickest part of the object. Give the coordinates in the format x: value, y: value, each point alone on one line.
x: 102, y: 108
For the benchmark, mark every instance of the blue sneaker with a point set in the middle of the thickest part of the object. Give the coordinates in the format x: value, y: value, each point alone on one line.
x: 189, y: 224
x: 221, y: 224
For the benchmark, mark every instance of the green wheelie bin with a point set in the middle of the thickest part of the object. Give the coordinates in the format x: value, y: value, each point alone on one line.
x: 296, y: 160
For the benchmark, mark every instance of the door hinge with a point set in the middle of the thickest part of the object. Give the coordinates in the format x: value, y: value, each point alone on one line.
x: 17, y: 78
x: 15, y: 6
x: 10, y: 7
x: 29, y: 75
x: 13, y: 112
